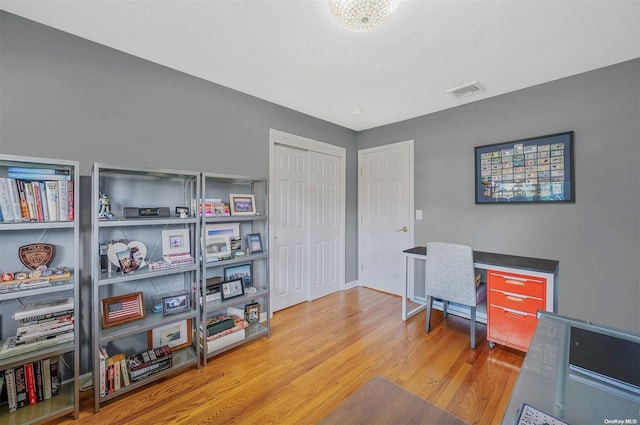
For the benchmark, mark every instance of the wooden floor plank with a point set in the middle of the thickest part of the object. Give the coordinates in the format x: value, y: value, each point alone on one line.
x: 318, y: 354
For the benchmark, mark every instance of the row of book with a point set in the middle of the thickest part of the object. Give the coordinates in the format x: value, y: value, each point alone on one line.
x: 39, y: 195
x: 41, y: 324
x: 31, y: 383
x: 117, y: 371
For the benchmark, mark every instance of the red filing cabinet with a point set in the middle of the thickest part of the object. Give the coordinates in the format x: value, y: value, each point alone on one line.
x: 512, y: 302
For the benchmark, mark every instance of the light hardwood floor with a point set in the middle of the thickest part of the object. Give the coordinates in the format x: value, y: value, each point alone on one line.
x: 318, y: 354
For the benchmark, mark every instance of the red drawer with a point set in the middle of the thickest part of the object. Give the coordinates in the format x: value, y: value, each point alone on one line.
x: 511, y: 328
x: 517, y: 284
x: 515, y: 301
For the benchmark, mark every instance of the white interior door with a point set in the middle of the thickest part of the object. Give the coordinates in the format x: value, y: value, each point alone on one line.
x: 289, y: 248
x: 307, y: 219
x: 325, y: 177
x: 386, y: 214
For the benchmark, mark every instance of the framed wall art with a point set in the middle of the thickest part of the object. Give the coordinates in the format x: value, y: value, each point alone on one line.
x: 242, y: 271
x: 175, y: 335
x: 175, y: 304
x: 534, y: 170
x: 254, y: 243
x: 242, y: 204
x: 122, y: 309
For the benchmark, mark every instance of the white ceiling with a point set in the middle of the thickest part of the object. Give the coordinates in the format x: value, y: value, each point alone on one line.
x: 293, y: 53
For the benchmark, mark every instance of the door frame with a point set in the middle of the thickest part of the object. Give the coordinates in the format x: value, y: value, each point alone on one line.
x: 409, y: 277
x: 282, y: 138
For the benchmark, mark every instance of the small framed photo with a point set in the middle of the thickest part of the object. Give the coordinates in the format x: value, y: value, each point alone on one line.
x: 182, y: 212
x: 242, y: 204
x: 175, y: 335
x: 231, y: 289
x: 252, y: 312
x: 243, y: 271
x: 122, y: 309
x: 254, y: 243
x: 175, y: 304
x: 176, y: 242
x: 127, y: 262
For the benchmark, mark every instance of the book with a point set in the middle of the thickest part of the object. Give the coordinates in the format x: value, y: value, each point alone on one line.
x: 37, y: 196
x: 113, y: 362
x: 24, y: 208
x: 71, y: 202
x: 15, y: 198
x: 32, y: 170
x: 27, y: 325
x: 51, y: 189
x: 103, y: 356
x: 124, y: 372
x: 30, y: 380
x: 10, y: 384
x: 5, y: 202
x: 31, y: 204
x: 63, y: 201
x: 37, y: 375
x: 10, y: 348
x: 151, y: 369
x: 146, y: 358
x: 56, y: 380
x: 46, y: 378
x: 45, y: 201
x: 43, y: 307
x: 41, y: 317
x: 38, y: 176
x: 110, y: 376
x: 36, y: 334
x: 21, y: 387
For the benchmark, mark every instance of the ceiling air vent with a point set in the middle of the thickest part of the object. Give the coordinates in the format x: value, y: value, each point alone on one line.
x: 466, y: 90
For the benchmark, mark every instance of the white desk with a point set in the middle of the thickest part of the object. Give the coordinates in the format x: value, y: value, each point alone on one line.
x: 547, y: 269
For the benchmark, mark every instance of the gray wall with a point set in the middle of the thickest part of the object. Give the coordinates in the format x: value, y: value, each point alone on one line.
x: 67, y: 97
x: 596, y: 239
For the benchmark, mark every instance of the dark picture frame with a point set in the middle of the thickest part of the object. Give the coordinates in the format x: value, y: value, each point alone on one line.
x: 242, y: 271
x: 175, y: 304
x: 252, y: 312
x: 231, y: 289
x: 122, y: 309
x: 532, y: 170
x: 254, y: 243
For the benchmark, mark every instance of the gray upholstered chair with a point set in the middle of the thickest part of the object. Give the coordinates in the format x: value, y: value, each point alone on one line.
x: 450, y: 277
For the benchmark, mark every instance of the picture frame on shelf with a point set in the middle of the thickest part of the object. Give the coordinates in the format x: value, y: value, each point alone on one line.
x: 252, y: 312
x: 242, y: 271
x: 176, y: 335
x: 176, y: 242
x: 122, y: 309
x: 127, y: 262
x: 242, y: 204
x: 175, y: 304
x: 218, y: 237
x: 231, y: 289
x: 182, y: 212
x: 254, y: 243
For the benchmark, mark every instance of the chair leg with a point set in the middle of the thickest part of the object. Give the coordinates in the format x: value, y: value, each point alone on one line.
x: 427, y: 325
x: 473, y: 327
x: 445, y: 304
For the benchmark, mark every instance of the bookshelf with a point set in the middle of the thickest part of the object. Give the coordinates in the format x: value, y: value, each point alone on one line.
x: 234, y: 253
x: 145, y: 270
x: 39, y: 262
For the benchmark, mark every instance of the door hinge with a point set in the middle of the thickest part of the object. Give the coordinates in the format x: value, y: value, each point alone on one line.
x: 361, y: 170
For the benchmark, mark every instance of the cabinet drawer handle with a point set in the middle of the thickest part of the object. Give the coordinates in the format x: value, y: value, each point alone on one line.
x: 514, y: 282
x: 516, y: 299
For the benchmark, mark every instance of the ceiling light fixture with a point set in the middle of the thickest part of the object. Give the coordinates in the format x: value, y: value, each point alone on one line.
x: 362, y: 15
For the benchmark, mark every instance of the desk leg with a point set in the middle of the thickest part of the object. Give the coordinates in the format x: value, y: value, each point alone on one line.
x: 406, y: 313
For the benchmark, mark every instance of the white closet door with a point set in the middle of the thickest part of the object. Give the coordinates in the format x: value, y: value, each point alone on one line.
x: 289, y: 246
x: 325, y: 246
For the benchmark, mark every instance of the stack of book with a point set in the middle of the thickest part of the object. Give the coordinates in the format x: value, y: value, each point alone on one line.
x: 113, y: 372
x: 31, y: 383
x: 147, y: 363
x: 181, y: 260
x: 223, y: 330
x: 42, y: 324
x: 36, y: 194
